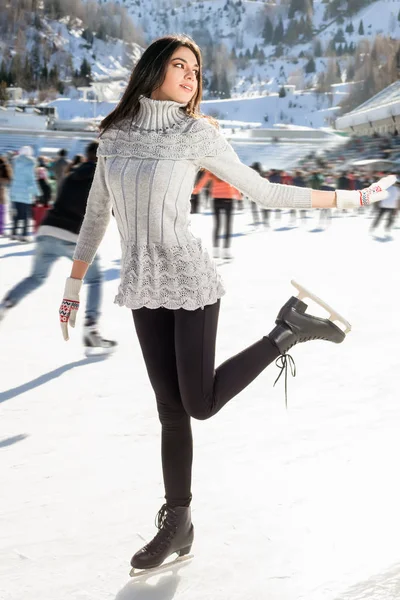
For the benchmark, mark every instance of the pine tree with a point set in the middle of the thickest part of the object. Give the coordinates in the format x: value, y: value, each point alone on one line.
x: 3, y: 71
x: 292, y: 32
x: 255, y: 51
x: 361, y: 28
x: 54, y: 76
x: 3, y: 92
x: 268, y: 31
x: 261, y: 57
x: 85, y: 71
x: 27, y: 74
x: 44, y: 75
x: 224, y: 87
x: 282, y: 92
x: 87, y: 35
x: 310, y: 66
x: 339, y: 36
x: 308, y: 30
x: 35, y: 62
x: 292, y: 8
x: 318, y: 48
x: 398, y: 16
x: 278, y: 33
x: 350, y: 28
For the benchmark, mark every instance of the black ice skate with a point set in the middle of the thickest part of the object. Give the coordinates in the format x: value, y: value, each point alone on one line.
x: 175, y: 534
x: 294, y: 326
x: 94, y: 344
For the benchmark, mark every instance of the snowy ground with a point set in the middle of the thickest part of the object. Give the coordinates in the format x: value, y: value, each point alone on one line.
x: 297, y: 504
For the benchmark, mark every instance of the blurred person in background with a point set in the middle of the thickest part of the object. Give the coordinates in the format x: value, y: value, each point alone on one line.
x: 42, y: 203
x: 265, y: 212
x: 60, y: 167
x: 5, y: 181
x: 77, y: 160
x: 23, y: 192
x: 388, y: 207
x: 300, y: 181
x: 57, y: 238
x: 275, y: 177
x: 223, y: 195
x: 325, y: 214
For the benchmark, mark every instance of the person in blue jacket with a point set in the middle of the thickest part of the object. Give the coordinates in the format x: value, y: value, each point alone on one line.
x: 23, y: 191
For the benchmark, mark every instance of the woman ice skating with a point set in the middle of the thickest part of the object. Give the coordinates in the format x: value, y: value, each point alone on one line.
x: 151, y: 147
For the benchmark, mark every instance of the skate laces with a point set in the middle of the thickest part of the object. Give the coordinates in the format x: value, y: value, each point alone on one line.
x: 161, y: 516
x: 285, y: 362
x: 166, y: 529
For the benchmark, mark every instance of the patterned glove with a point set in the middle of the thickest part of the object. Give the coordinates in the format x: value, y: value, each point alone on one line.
x: 70, y: 305
x: 374, y: 193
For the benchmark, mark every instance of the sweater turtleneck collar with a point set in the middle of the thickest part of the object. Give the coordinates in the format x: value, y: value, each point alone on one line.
x: 156, y: 115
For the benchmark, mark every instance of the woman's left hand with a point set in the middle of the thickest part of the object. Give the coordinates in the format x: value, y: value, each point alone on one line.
x: 374, y: 193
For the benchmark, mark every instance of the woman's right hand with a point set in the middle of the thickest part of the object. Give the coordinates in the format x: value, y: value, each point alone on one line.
x: 70, y: 305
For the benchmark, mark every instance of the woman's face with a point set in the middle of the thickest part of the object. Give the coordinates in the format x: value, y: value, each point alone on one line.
x: 181, y: 78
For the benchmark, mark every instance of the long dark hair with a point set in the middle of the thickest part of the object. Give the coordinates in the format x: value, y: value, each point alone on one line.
x: 149, y: 74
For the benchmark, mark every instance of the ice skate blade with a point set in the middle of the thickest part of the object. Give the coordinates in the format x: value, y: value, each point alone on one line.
x: 135, y: 573
x: 97, y: 352
x: 333, y: 314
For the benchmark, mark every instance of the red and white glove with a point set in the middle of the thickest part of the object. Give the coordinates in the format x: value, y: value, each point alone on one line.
x: 70, y: 304
x: 374, y: 193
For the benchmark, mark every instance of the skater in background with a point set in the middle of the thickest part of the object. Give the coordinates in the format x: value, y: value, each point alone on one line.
x: 275, y: 177
x: 42, y: 203
x: 57, y: 237
x: 5, y: 181
x: 23, y: 190
x: 151, y: 147
x: 223, y: 194
x: 195, y: 198
x: 299, y: 181
x: 77, y: 160
x: 265, y: 212
x: 389, y: 207
x: 60, y: 167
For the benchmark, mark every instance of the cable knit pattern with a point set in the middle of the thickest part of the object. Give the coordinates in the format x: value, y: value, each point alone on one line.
x: 172, y: 277
x: 145, y: 172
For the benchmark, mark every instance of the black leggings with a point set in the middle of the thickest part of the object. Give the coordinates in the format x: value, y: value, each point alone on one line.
x: 178, y: 347
x: 222, y: 205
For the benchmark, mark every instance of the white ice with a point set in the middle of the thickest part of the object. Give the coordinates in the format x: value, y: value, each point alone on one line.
x: 297, y: 504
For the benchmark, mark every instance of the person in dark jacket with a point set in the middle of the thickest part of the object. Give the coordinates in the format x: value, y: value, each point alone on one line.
x: 57, y: 237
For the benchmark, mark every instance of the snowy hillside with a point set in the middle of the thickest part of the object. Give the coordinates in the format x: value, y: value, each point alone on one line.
x: 240, y: 24
x: 108, y: 60
x: 315, y: 67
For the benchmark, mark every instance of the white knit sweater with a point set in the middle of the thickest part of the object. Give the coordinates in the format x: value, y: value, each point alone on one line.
x: 146, y: 172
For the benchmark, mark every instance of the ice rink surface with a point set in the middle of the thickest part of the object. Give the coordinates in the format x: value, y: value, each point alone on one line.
x: 297, y: 504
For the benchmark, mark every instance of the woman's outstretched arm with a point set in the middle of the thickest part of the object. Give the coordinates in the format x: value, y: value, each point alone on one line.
x: 227, y: 166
